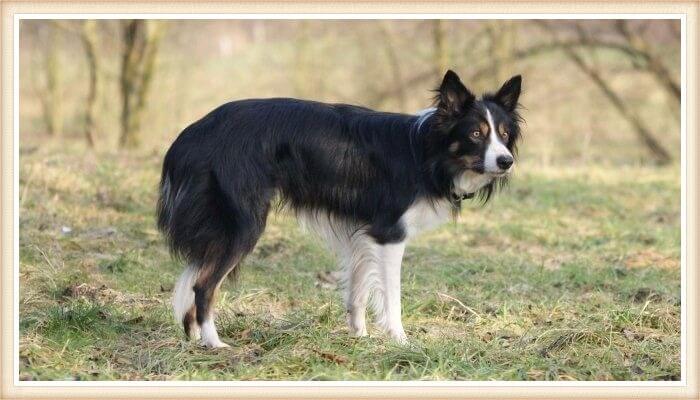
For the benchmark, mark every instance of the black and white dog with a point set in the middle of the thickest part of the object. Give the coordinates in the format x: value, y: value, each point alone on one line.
x: 367, y: 181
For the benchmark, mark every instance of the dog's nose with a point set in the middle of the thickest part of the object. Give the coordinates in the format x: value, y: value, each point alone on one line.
x: 504, y: 162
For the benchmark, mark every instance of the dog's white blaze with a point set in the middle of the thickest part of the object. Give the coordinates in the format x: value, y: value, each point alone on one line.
x: 183, y: 294
x: 496, y: 147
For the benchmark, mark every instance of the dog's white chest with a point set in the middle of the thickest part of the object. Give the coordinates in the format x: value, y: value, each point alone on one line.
x: 424, y: 215
x: 470, y: 182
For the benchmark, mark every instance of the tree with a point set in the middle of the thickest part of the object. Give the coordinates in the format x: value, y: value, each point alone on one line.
x: 303, y: 79
x: 501, y: 34
x: 86, y: 31
x: 52, y: 100
x: 440, y: 60
x: 441, y: 56
x: 393, y: 61
x: 656, y: 150
x: 140, y: 40
x: 88, y: 36
x: 651, y: 61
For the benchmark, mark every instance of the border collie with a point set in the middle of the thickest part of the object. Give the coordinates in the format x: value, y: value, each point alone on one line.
x: 366, y: 181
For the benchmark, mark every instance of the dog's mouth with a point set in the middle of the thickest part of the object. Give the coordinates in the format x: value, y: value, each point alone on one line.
x: 499, y: 174
x: 478, y: 168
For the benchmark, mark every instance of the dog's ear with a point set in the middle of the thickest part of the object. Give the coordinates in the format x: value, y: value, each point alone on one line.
x: 508, y: 94
x: 453, y: 96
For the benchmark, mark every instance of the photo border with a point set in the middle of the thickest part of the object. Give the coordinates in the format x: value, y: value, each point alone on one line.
x: 12, y: 12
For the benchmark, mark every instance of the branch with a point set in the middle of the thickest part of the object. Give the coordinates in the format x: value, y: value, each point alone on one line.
x: 522, y: 54
x: 422, y: 76
x: 658, y: 152
x: 653, y: 63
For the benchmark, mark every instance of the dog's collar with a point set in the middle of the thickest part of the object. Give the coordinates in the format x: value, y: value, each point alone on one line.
x: 459, y: 197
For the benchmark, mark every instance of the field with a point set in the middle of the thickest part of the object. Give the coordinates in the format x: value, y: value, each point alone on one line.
x: 572, y: 273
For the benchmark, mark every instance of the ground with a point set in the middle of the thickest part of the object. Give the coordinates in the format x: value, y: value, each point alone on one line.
x: 572, y: 273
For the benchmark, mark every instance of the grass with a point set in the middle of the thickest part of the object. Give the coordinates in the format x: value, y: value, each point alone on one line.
x: 573, y: 273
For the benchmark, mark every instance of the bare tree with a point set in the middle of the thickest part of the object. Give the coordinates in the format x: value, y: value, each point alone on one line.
x: 88, y: 36
x: 389, y: 42
x: 630, y: 43
x: 140, y: 39
x: 52, y: 100
x: 430, y: 74
x: 651, y: 61
x: 86, y: 31
x: 657, y: 151
x: 302, y: 79
x: 501, y: 35
x: 441, y: 57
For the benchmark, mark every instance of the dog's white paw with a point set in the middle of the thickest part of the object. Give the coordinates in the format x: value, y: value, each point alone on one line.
x: 361, y: 332
x: 195, y: 333
x: 399, y: 336
x: 214, y: 344
x: 356, y: 323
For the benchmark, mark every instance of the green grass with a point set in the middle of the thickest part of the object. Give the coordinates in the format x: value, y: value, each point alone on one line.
x: 570, y: 274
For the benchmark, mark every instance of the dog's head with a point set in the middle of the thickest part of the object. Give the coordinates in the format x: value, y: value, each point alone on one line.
x: 477, y: 136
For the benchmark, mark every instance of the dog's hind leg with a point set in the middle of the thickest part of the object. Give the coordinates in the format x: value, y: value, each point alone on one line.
x: 205, y: 288
x: 183, y: 301
x: 212, y: 219
x: 221, y: 262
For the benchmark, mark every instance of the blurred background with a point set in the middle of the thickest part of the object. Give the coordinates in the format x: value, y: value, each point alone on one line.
x: 602, y: 91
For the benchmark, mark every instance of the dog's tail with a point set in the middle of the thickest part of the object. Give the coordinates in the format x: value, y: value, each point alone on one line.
x: 209, y: 225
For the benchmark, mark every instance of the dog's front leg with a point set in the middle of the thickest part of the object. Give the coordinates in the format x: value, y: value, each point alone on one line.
x: 359, y: 261
x: 356, y: 300
x: 390, y: 271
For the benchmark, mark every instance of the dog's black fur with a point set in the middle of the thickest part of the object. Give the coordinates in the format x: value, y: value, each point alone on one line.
x: 221, y: 174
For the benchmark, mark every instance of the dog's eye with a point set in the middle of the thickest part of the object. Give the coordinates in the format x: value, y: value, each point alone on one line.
x: 475, y: 135
x: 504, y: 135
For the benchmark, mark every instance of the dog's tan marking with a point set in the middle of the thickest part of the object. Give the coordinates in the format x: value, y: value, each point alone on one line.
x: 484, y: 127
x: 501, y: 128
x: 469, y: 161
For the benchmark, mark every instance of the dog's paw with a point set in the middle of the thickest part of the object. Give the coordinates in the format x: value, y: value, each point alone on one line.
x: 399, y: 337
x: 214, y: 344
x: 195, y: 333
x: 356, y: 323
x: 362, y: 332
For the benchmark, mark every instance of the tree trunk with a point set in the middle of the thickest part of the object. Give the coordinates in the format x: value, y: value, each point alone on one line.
x: 140, y: 40
x: 302, y: 79
x: 52, y: 103
x: 502, y: 43
x: 441, y: 56
x: 88, y: 36
x: 657, y: 151
x: 653, y: 63
x: 388, y: 40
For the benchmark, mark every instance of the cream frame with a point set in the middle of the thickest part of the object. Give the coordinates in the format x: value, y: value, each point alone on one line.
x: 687, y: 388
